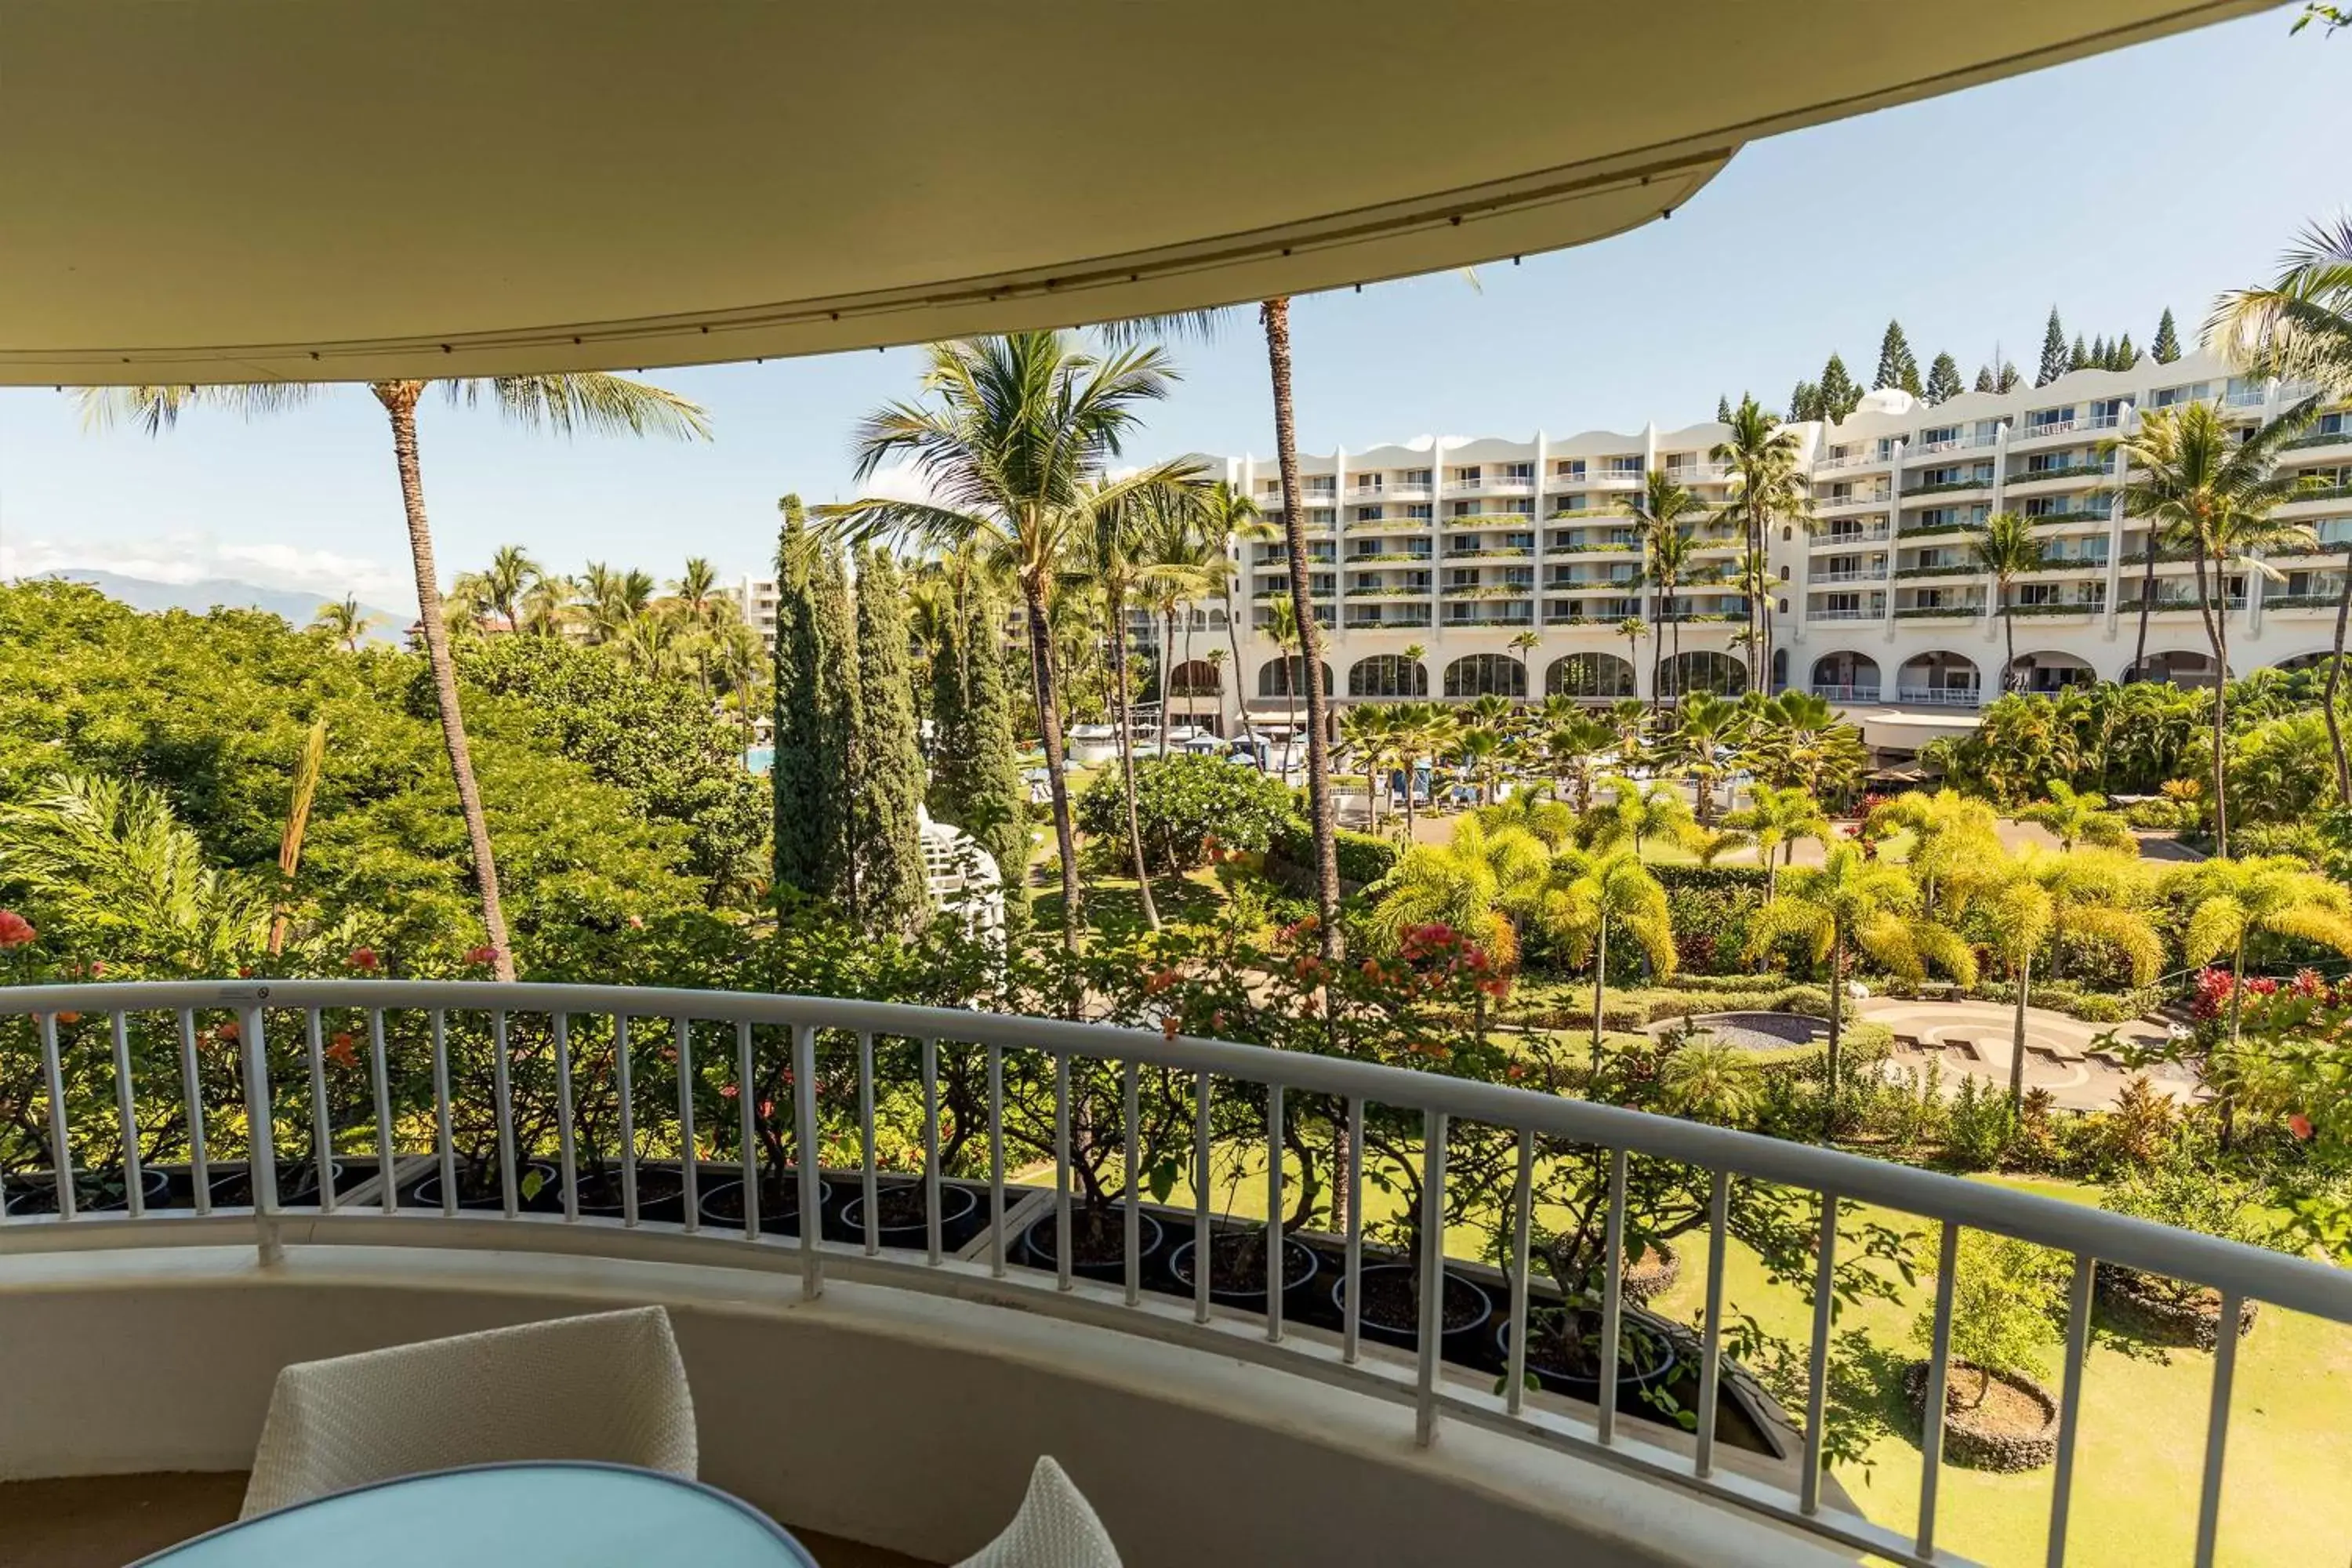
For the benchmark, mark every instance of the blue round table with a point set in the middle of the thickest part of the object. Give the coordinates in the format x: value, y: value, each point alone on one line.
x: 564, y: 1514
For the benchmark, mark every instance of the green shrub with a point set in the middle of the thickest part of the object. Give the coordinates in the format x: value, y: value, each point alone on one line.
x: 2005, y: 1310
x: 1981, y: 1127
x: 1180, y: 802
x: 2160, y: 816
x: 1363, y: 858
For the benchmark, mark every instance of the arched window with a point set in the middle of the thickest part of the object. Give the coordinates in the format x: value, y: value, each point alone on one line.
x: 1486, y: 675
x: 1387, y: 674
x: 1703, y: 670
x: 1287, y: 678
x: 1596, y: 675
x: 1193, y: 678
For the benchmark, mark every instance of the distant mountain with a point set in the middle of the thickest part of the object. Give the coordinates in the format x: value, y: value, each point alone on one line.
x: 206, y: 593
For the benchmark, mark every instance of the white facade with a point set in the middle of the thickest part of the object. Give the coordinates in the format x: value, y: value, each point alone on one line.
x: 757, y: 598
x: 1457, y: 547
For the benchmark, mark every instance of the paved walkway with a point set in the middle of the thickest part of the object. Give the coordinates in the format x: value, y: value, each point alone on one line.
x: 1974, y: 1039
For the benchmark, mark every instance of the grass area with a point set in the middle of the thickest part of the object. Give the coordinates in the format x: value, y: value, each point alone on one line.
x: 1112, y: 907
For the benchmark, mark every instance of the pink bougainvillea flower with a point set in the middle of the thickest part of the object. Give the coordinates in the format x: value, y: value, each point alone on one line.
x: 97, y: 968
x: 767, y: 1108
x: 362, y: 958
x: 15, y: 931
x: 2299, y: 1125
x: 729, y: 1091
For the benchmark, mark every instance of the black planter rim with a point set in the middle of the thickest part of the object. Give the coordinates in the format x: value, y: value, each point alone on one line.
x: 711, y: 1194
x: 1630, y: 1375
x: 28, y: 1186
x: 305, y: 1168
x: 1040, y: 1237
x: 853, y: 1212
x: 1339, y: 1300
x: 426, y: 1193
x: 1179, y: 1260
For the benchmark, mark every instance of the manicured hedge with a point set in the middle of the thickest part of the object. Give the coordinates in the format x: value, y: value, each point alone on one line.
x: 1363, y: 859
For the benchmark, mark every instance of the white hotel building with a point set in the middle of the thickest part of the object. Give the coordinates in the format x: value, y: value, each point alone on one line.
x: 1457, y: 546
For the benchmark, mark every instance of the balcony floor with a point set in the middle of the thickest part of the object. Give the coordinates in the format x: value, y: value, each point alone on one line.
x: 104, y: 1521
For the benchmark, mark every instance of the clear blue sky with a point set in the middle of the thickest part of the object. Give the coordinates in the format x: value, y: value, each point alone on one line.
x: 2111, y: 188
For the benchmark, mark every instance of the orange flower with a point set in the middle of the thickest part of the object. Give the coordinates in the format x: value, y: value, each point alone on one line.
x: 362, y: 958
x: 341, y: 1051
x: 69, y: 1017
x: 2299, y: 1125
x: 15, y: 931
x: 1171, y: 1027
x: 229, y: 1031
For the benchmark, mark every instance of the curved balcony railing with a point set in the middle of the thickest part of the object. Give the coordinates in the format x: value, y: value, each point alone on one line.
x: 250, y: 1108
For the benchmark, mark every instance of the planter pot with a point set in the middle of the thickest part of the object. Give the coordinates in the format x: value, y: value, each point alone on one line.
x: 1299, y: 1267
x: 1651, y: 1275
x: 661, y: 1194
x: 1974, y: 1436
x: 894, y: 1228
x: 1039, y: 1241
x: 1645, y: 1357
x: 426, y: 1193
x: 1390, y: 1315
x: 2133, y: 1302
x: 95, y: 1192
x: 722, y: 1206
x: 298, y: 1184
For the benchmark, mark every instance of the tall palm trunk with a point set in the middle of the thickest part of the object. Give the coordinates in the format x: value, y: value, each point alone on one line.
x: 399, y: 400
x: 1119, y: 718
x: 1275, y: 313
x: 2147, y: 603
x: 1411, y: 762
x: 2017, y: 1037
x: 1167, y: 658
x: 1599, y: 972
x: 1241, y: 697
x: 1658, y: 647
x: 2008, y: 633
x: 2335, y: 683
x: 2213, y: 607
x: 1837, y: 1016
x: 1046, y: 691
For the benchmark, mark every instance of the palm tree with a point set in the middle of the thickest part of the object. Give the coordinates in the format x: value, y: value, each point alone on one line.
x: 1664, y: 514
x: 1638, y: 813
x: 1573, y: 747
x: 1368, y: 732
x: 2044, y: 895
x: 1227, y: 518
x: 1477, y: 752
x: 590, y: 401
x: 1006, y: 437
x: 1767, y: 490
x: 1709, y: 1080
x: 1633, y: 629
x: 510, y: 571
x: 547, y: 607
x: 1178, y: 568
x: 1851, y: 904
x: 1775, y: 819
x: 1702, y: 719
x: 2005, y: 548
x: 1282, y: 626
x: 1423, y: 731
x: 2301, y: 327
x: 1524, y: 644
x: 2229, y: 900
x: 1111, y: 555
x: 2082, y: 818
x: 2193, y: 476
x: 344, y: 623
x: 1616, y: 888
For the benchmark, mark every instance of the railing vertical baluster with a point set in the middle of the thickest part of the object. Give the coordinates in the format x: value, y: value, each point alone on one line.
x: 1351, y: 1316
x: 932, y: 1238
x: 567, y: 1147
x: 260, y: 1144
x: 869, y: 1188
x: 503, y: 1096
x: 1061, y: 1170
x: 2070, y: 1403
x: 381, y: 1068
x: 628, y: 1093
x: 1613, y: 1297
x: 687, y: 1169
x: 1809, y: 1485
x: 1523, y: 1203
x: 322, y: 1119
x: 2217, y: 1427
x: 1433, y: 1274
x: 199, y: 1167
x: 1710, y: 1359
x: 1939, y: 1355
x: 1203, y: 1092
x: 60, y: 1147
x: 746, y: 1091
x: 444, y: 1141
x: 1274, y: 1237
x: 804, y: 1158
x: 129, y: 1118
x: 1131, y: 1206
x: 996, y: 1162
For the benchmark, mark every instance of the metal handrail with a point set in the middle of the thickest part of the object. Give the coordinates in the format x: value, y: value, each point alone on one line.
x: 2239, y: 1272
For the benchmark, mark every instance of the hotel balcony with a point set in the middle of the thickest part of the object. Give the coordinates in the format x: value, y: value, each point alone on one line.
x: 1851, y: 503
x: 1838, y: 536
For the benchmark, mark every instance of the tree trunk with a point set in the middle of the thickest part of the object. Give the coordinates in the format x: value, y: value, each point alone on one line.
x: 1600, y: 971
x: 1120, y: 722
x: 1275, y: 313
x: 1412, y: 787
x: 2008, y: 636
x: 1657, y: 655
x: 2146, y: 602
x: 1167, y: 658
x: 1837, y: 1025
x: 2335, y: 683
x: 1241, y: 697
x: 399, y: 400
x: 2017, y: 1037
x: 2216, y: 604
x: 1043, y: 686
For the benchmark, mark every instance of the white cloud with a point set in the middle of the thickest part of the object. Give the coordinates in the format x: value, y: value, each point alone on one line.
x: 189, y: 557
x: 900, y: 481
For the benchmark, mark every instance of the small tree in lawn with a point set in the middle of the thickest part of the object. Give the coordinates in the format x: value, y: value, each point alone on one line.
x: 2005, y: 1313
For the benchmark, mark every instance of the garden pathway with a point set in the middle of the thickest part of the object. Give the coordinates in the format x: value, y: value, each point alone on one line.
x: 2062, y: 1054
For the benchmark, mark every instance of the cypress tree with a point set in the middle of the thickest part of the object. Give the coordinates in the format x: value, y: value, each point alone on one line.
x: 1984, y: 378
x: 1722, y: 409
x: 2078, y: 357
x: 1896, y: 364
x: 981, y: 791
x: 2102, y: 356
x: 1804, y: 402
x: 813, y: 695
x: 2009, y: 378
x: 886, y: 835
x: 2168, y: 340
x: 2053, y: 352
x: 1943, y: 379
x: 1839, y: 394
x: 2126, y: 356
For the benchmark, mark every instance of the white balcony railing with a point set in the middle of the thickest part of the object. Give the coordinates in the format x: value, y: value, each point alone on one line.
x: 1865, y: 534
x: 1837, y: 503
x: 1845, y: 614
x: 1951, y: 444
x: 759, y: 1047
x: 1940, y: 696
x: 1850, y: 460
x: 2029, y: 431
x: 1865, y: 574
x: 1846, y: 693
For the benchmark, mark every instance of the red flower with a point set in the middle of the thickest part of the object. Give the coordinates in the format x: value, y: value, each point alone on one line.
x: 1172, y: 1026
x: 362, y: 958
x: 1515, y: 1071
x: 767, y: 1108
x: 482, y: 957
x: 15, y: 931
x: 2299, y: 1125
x: 1159, y: 980
x: 729, y: 1091
x: 97, y: 968
x: 245, y: 972
x: 342, y: 1051
x: 69, y: 1017
x: 228, y: 1031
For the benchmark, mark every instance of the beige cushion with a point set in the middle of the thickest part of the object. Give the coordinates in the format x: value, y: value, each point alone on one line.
x: 609, y: 1386
x: 1056, y: 1528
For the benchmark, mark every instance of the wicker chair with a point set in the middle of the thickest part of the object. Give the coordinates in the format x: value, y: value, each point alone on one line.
x: 608, y: 1386
x: 1056, y: 1528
